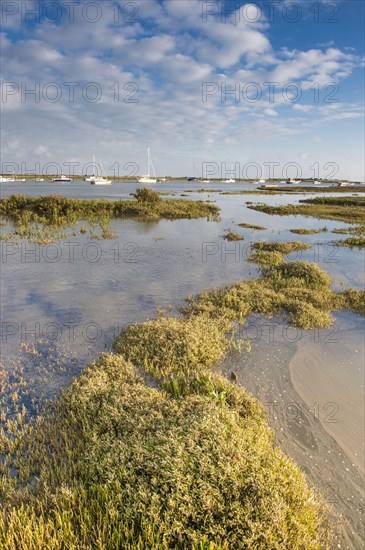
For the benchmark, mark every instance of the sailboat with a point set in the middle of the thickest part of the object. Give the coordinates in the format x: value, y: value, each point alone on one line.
x: 147, y: 178
x: 229, y: 180
x: 99, y: 180
x: 62, y: 179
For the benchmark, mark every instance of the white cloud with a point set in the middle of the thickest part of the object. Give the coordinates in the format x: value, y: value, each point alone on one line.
x: 168, y: 52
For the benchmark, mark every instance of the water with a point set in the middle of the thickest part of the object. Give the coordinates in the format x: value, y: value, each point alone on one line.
x: 63, y: 303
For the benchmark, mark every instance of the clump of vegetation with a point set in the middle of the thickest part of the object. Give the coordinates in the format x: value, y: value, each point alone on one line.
x: 355, y: 300
x: 30, y: 214
x: 147, y: 195
x: 300, y: 289
x: 251, y: 226
x: 232, y: 236
x: 116, y: 463
x: 163, y: 343
x: 357, y: 230
x: 308, y: 231
x: 282, y: 247
x: 313, y: 189
x: 346, y: 209
x: 300, y: 274
x: 353, y: 241
x: 266, y: 259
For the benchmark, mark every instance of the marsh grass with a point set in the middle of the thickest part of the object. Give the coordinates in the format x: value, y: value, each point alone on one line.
x: 308, y: 231
x: 282, y: 247
x: 297, y: 288
x: 352, y: 230
x: 251, y: 226
x: 51, y: 214
x: 190, y: 463
x: 150, y: 449
x: 233, y: 236
x: 314, y: 189
x: 346, y: 209
x: 353, y: 241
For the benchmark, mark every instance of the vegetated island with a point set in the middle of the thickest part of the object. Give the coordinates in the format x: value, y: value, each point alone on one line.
x: 347, y: 209
x: 44, y: 217
x: 302, y: 231
x: 149, y: 448
x: 314, y: 189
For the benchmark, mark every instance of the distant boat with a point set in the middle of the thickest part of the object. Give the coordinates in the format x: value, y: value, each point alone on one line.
x: 317, y: 182
x: 41, y: 179
x: 5, y: 179
x: 100, y: 180
x: 162, y: 180
x: 197, y: 177
x: 62, y: 178
x: 262, y: 181
x: 292, y: 181
x: 17, y: 179
x: 147, y: 178
x: 230, y: 180
x: 344, y: 183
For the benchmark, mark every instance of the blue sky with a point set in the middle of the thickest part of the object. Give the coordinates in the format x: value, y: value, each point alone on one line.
x: 112, y: 78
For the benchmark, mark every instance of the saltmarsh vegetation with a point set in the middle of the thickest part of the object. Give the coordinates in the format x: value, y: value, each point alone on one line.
x: 347, y: 209
x: 308, y: 231
x: 50, y: 214
x: 149, y: 448
x: 251, y: 226
x: 233, y: 236
x: 353, y: 241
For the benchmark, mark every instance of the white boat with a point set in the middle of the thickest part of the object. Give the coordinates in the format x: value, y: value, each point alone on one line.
x: 204, y: 181
x: 317, y: 182
x: 148, y: 178
x: 162, y: 180
x: 262, y: 181
x: 344, y: 183
x: 15, y: 178
x: 5, y: 179
x: 230, y: 179
x: 40, y: 179
x: 100, y: 180
x: 62, y: 178
x: 292, y: 181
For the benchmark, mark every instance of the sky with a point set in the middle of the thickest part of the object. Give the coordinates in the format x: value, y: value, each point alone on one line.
x: 267, y: 89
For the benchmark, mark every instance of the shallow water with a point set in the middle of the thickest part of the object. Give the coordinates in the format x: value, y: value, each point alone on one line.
x: 62, y: 304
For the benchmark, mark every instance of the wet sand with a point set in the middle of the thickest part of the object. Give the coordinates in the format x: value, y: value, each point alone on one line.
x: 298, y: 426
x: 329, y: 377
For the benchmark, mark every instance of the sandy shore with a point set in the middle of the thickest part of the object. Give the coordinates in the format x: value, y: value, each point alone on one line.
x: 299, y: 427
x: 330, y: 379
